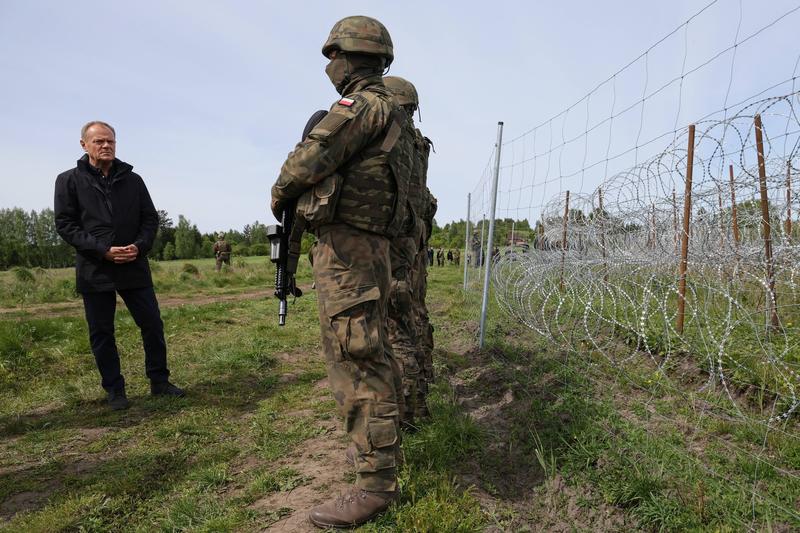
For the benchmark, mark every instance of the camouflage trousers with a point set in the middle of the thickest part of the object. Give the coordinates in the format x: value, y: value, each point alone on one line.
x: 419, y: 281
x: 352, y: 277
x: 402, y: 324
x: 220, y: 260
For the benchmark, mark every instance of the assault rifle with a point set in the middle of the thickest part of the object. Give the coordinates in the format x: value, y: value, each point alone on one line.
x: 285, y: 239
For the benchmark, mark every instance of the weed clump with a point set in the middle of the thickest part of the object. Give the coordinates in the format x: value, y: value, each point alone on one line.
x: 23, y: 275
x: 190, y: 268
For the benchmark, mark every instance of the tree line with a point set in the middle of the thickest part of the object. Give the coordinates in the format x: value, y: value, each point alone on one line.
x: 451, y: 235
x: 29, y: 238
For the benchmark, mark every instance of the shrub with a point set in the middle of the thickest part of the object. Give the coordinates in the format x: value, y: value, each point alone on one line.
x: 241, y: 249
x: 23, y: 275
x: 259, y: 249
x: 189, y: 268
x: 169, y: 252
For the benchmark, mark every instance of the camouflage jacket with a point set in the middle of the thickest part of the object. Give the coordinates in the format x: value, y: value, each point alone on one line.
x: 431, y: 206
x: 417, y: 194
x: 352, y: 141
x: 222, y: 249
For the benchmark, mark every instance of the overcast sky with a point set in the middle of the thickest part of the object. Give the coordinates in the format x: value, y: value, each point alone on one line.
x: 209, y: 97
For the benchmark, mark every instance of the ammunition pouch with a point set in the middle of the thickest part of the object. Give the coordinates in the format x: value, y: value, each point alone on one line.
x: 317, y: 206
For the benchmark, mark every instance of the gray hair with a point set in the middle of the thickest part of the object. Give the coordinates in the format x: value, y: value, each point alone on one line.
x: 88, y: 125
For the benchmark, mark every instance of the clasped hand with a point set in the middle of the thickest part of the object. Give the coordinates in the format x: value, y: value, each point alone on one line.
x: 122, y: 254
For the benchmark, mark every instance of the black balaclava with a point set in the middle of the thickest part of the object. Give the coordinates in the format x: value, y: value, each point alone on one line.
x: 346, y: 69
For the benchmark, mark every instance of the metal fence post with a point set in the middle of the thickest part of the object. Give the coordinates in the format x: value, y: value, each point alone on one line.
x: 490, y: 240
x: 466, y: 241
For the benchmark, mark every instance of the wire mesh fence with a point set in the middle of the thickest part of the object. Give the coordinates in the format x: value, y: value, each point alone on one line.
x: 640, y: 239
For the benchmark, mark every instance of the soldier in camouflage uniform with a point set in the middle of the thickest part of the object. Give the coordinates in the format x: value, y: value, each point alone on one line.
x: 404, y: 250
x: 222, y: 251
x: 424, y: 326
x: 413, y: 313
x: 350, y: 178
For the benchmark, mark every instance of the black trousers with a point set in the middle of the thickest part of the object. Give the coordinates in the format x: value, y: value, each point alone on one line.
x: 100, y: 308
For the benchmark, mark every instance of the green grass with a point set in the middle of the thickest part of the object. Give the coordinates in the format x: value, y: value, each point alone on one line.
x: 178, y: 278
x: 582, y: 439
x: 253, y: 399
x: 670, y: 455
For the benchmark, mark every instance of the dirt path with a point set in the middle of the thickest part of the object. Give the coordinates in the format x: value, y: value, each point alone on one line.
x: 507, y: 480
x: 54, y: 310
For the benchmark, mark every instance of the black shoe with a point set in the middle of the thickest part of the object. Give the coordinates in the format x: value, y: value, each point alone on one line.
x: 166, y: 389
x: 117, y: 400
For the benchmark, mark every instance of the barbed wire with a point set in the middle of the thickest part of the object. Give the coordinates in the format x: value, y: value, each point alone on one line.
x: 616, y: 270
x: 599, y: 189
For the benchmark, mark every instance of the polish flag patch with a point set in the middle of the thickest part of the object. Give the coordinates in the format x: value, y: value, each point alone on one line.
x: 347, y: 102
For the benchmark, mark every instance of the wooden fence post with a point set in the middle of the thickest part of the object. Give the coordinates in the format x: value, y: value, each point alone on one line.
x: 772, y: 320
x: 564, y: 242
x: 653, y: 234
x: 734, y: 220
x: 687, y: 213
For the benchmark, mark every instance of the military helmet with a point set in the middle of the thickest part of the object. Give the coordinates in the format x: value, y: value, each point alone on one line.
x: 403, y: 90
x: 362, y: 35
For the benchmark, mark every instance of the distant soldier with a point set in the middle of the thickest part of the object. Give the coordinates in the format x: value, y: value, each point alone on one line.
x: 457, y: 257
x: 450, y: 256
x: 222, y: 251
x: 430, y: 256
x: 440, y: 257
x: 476, y: 250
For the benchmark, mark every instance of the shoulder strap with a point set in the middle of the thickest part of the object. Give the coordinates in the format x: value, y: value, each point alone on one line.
x: 397, y: 118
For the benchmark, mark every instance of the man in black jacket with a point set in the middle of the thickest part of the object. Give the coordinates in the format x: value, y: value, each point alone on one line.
x: 103, y: 209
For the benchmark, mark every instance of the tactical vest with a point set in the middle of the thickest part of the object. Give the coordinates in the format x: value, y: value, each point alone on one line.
x: 375, y: 182
x: 223, y: 249
x: 417, y: 194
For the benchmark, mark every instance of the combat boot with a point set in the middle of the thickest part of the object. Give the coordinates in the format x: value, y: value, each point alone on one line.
x: 166, y: 389
x: 117, y: 400
x: 422, y: 413
x: 353, y: 508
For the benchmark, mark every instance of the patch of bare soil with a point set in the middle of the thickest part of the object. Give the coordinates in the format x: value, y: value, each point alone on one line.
x: 22, y: 501
x: 558, y: 507
x: 507, y: 478
x: 321, y: 462
x: 503, y: 472
x: 76, y: 462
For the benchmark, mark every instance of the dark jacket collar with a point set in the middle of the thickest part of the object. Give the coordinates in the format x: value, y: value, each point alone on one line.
x: 118, y: 168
